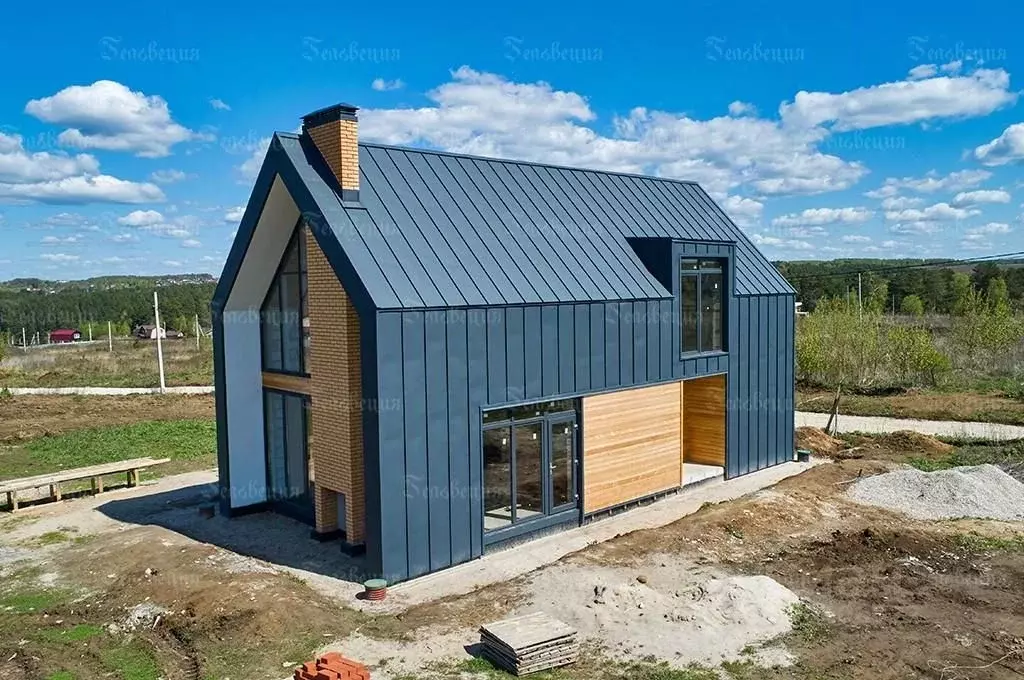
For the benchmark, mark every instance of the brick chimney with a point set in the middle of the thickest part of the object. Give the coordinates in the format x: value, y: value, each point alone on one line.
x: 335, y: 131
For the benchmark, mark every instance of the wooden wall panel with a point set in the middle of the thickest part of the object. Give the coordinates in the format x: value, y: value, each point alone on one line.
x: 703, y: 420
x: 630, y: 445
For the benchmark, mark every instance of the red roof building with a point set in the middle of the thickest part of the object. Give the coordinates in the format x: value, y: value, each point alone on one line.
x: 65, y: 335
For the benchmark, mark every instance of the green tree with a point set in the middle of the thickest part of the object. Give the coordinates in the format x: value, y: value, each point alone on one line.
x: 964, y: 294
x: 912, y: 305
x: 997, y: 296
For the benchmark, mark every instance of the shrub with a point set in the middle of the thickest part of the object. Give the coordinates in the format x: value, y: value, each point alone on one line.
x: 912, y: 305
x: 914, y: 358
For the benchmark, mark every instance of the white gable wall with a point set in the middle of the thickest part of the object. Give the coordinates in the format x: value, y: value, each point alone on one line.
x: 242, y: 356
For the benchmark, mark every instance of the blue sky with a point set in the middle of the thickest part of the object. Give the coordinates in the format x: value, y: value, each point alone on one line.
x: 129, y: 139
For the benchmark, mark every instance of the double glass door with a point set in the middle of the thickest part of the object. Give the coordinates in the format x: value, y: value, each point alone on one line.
x: 529, y: 467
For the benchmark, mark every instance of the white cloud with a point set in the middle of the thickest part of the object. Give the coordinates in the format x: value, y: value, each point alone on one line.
x: 738, y: 108
x: 169, y: 176
x: 486, y: 114
x: 234, y: 214
x: 953, y: 67
x: 107, y: 115
x: 382, y: 85
x: 923, y: 71
x: 66, y: 219
x: 191, y: 243
x: 250, y: 167
x: 1006, y: 148
x: 991, y: 229
x: 785, y: 244
x: 124, y: 238
x: 903, y: 102
x: 901, y: 202
x: 855, y: 238
x: 219, y: 105
x: 939, y: 212
x: 59, y: 178
x: 981, y: 196
x: 58, y: 240
x: 932, y: 182
x: 141, y: 218
x: 916, y: 227
x: 822, y: 216
x: 58, y: 257
x: 19, y: 166
x: 742, y: 210
x: 173, y: 263
x: 86, y: 189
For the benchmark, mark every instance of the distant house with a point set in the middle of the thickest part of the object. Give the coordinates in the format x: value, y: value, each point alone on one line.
x: 62, y: 335
x: 149, y: 332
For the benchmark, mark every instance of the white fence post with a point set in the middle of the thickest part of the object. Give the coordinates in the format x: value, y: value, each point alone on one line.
x: 159, y: 345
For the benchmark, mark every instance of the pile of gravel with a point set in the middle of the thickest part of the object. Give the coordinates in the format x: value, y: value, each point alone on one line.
x: 982, y: 491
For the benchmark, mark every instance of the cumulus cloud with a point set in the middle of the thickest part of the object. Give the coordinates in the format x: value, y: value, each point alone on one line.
x: 923, y: 71
x: 903, y: 102
x: 60, y: 178
x: 219, y: 105
x: 141, y: 218
x: 382, y: 85
x: 234, y: 214
x: 191, y: 243
x: 855, y: 238
x: 109, y: 116
x: 169, y: 176
x: 59, y: 240
x: 486, y: 114
x: 939, y: 212
x: 62, y: 258
x: 784, y: 244
x: 250, y: 167
x: 823, y: 216
x: 931, y: 183
x: 991, y: 229
x: 901, y: 202
x: 981, y: 196
x: 743, y: 211
x: 1006, y: 148
x: 738, y: 108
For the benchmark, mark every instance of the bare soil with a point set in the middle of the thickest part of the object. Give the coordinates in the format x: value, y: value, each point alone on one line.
x: 28, y: 417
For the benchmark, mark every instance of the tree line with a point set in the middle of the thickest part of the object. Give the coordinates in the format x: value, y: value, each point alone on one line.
x: 937, y: 289
x: 41, y: 311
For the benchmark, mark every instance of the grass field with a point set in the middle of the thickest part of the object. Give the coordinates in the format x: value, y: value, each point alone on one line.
x: 131, y: 364
x: 966, y: 406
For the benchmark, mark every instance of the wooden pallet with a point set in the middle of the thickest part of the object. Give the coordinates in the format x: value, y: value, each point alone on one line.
x: 527, y: 644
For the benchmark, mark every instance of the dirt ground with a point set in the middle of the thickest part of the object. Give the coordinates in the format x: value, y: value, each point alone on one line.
x: 881, y: 596
x: 27, y: 417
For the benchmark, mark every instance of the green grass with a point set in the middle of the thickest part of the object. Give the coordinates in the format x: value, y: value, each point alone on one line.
x: 1009, y: 456
x: 809, y: 623
x: 974, y: 542
x: 190, y: 444
x: 61, y: 675
x: 27, y: 600
x: 78, y: 633
x: 132, y: 661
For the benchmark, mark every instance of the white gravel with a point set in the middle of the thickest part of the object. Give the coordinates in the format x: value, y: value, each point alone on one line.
x: 982, y: 491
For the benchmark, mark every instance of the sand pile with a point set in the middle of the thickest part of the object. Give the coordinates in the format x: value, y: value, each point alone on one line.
x: 982, y: 491
x: 816, y: 440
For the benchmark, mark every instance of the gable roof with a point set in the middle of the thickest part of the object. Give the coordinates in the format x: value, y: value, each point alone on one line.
x: 435, y: 229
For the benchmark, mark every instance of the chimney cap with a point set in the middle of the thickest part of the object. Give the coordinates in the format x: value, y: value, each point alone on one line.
x: 329, y: 114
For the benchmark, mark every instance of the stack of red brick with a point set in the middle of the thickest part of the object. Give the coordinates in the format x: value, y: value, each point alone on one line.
x: 332, y: 666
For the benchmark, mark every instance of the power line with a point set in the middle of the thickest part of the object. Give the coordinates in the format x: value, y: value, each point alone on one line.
x: 920, y: 265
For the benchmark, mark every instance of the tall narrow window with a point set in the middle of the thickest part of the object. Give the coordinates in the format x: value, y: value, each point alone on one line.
x: 284, y: 323
x: 701, y: 306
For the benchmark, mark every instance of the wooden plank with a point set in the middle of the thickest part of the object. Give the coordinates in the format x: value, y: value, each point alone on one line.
x: 287, y: 383
x: 704, y: 420
x: 79, y: 473
x: 631, y: 444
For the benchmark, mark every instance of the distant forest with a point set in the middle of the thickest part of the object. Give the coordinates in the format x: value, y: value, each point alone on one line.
x: 933, y: 285
x: 126, y: 302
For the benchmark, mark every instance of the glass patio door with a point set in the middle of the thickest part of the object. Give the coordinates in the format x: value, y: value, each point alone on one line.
x: 562, y: 463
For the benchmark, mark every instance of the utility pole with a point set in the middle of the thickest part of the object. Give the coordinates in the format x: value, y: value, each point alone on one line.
x: 110, y: 338
x: 197, y: 331
x: 90, y: 331
x: 24, y: 345
x: 159, y: 344
x: 860, y: 300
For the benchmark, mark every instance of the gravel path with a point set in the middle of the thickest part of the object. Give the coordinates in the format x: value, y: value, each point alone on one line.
x: 944, y: 428
x: 982, y: 491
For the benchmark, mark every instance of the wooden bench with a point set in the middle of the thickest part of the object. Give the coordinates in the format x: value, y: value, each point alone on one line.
x: 131, y: 468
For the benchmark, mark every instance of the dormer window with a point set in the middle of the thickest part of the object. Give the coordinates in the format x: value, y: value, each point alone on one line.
x: 701, y: 305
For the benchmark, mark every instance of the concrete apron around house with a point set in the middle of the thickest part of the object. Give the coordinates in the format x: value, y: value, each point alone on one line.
x: 943, y: 428
x: 524, y: 558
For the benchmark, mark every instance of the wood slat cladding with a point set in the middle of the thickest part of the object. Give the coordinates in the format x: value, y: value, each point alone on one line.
x: 631, y: 444
x: 336, y: 444
x: 287, y: 383
x: 703, y: 420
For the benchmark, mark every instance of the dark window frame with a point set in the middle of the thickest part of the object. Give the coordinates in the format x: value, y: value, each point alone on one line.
x: 307, y: 454
x: 296, y: 240
x: 704, y: 266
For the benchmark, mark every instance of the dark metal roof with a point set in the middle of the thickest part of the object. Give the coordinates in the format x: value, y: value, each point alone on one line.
x: 434, y: 229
